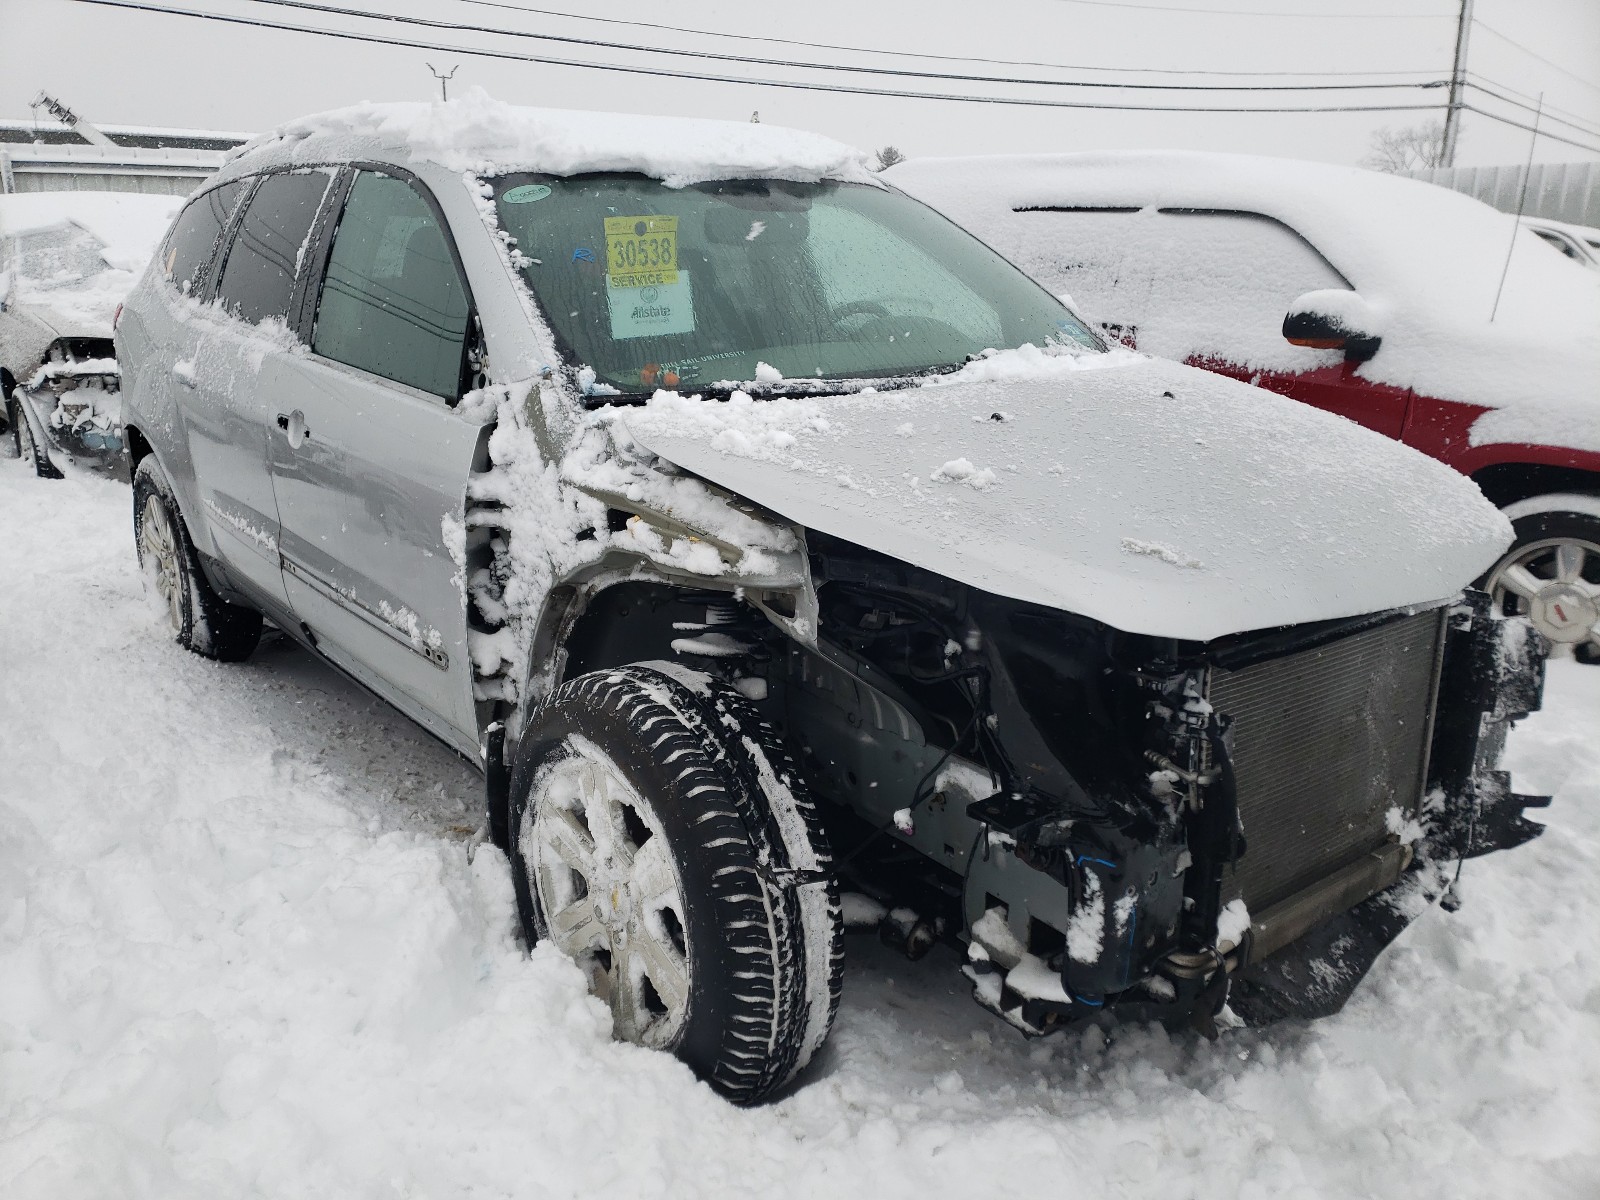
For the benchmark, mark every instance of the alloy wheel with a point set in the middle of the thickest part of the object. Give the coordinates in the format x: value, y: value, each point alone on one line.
x: 1555, y: 583
x: 599, y: 862
x: 159, y: 544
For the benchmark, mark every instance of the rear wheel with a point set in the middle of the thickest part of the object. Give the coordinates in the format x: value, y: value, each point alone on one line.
x: 1551, y: 574
x: 199, y: 619
x: 660, y: 837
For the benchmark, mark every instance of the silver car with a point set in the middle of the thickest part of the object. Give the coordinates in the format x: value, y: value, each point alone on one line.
x: 786, y: 558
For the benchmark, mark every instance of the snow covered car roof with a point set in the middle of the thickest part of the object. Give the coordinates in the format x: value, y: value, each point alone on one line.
x: 484, y: 136
x: 1427, y: 259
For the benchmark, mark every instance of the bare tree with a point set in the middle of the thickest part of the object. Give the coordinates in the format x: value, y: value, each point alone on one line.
x: 888, y: 156
x: 1400, y: 150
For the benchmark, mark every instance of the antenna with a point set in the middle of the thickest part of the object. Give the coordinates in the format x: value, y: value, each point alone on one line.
x: 444, y: 80
x: 1522, y: 199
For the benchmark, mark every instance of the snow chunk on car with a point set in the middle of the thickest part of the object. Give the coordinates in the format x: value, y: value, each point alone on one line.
x: 478, y: 134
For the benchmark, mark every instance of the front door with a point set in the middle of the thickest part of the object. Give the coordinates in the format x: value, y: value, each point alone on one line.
x: 370, y: 461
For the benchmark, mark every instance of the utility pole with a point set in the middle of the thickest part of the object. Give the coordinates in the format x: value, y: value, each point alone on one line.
x: 444, y: 80
x: 1458, y: 82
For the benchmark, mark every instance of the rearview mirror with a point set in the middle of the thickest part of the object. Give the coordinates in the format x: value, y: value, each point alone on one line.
x: 1332, y: 319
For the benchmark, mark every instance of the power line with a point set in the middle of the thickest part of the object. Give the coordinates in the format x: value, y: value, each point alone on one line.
x: 1544, y: 133
x: 790, y: 64
x: 1489, y: 29
x: 1548, y: 108
x: 1595, y: 133
x: 958, y: 58
x: 1256, y: 12
x: 797, y: 85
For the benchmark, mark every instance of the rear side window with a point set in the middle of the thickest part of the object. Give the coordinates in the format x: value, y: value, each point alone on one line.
x: 195, y: 235
x: 258, y: 276
x: 392, y: 300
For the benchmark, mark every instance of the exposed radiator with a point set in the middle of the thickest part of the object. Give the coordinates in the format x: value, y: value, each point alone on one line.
x: 1326, y: 742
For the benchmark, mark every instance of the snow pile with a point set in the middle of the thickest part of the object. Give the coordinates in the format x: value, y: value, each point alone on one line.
x: 249, y: 947
x: 72, y: 370
x: 483, y: 136
x: 1103, y: 474
x: 1215, y: 283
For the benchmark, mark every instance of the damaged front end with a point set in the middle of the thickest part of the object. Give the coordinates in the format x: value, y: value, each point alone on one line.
x: 73, y: 404
x: 1151, y: 827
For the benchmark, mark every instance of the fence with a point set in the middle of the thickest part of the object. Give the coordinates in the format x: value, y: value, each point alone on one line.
x: 161, y: 171
x: 1556, y: 191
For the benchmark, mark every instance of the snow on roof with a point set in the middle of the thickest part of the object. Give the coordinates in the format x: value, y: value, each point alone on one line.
x: 1428, y: 258
x: 482, y: 135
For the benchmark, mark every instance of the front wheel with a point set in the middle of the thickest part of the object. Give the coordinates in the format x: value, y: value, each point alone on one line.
x: 28, y: 448
x: 1551, y: 574
x: 660, y: 836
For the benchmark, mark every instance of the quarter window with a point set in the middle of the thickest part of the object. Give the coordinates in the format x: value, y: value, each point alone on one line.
x: 195, y: 235
x: 393, y: 302
x: 258, y: 276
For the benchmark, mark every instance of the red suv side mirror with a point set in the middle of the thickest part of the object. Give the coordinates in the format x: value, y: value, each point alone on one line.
x: 1333, y: 320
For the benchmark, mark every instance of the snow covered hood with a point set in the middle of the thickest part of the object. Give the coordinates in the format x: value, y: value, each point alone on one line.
x: 1150, y: 496
x: 484, y: 136
x: 1427, y: 258
x: 128, y: 226
x: 125, y: 230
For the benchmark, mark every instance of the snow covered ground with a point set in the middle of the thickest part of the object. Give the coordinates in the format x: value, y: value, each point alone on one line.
x: 250, y: 947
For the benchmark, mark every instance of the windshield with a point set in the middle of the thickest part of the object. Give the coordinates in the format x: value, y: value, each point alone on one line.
x: 651, y: 286
x: 59, y: 255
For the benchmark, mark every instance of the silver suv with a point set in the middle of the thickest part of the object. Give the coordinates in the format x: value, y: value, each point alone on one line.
x: 760, y: 532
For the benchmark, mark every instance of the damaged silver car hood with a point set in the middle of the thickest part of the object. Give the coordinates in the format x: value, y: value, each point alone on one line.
x: 1150, y: 496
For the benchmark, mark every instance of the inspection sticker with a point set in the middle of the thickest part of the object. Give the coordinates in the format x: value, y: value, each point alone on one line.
x: 528, y: 193
x: 652, y: 310
x: 641, y: 251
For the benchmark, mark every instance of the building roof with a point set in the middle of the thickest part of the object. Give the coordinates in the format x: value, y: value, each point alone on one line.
x: 26, y: 131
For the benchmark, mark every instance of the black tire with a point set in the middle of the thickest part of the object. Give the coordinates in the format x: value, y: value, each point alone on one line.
x: 761, y: 918
x: 10, y: 447
x: 28, y: 448
x: 200, y: 620
x: 1543, y: 529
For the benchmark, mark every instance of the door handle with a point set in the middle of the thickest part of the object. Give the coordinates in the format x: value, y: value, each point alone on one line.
x: 294, y: 428
x: 183, y: 372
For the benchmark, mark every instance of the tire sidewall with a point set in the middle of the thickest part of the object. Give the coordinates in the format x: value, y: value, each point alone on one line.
x: 1538, y: 527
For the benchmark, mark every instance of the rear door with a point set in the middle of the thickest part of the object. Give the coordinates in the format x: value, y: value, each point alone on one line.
x: 369, y: 460
x: 158, y: 340
x: 231, y: 416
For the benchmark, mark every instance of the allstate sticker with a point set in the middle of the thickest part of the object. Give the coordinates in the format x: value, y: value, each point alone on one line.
x: 652, y: 310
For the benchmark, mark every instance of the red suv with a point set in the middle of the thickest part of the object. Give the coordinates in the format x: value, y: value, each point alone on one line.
x: 1419, y: 312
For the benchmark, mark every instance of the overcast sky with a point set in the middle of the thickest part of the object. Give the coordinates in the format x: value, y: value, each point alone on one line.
x: 121, y: 67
